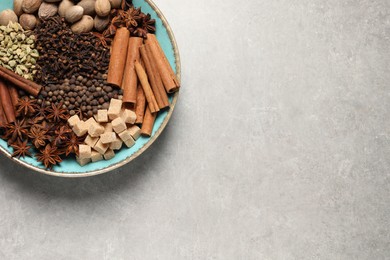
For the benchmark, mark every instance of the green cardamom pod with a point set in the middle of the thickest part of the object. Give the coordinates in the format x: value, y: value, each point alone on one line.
x: 12, y: 63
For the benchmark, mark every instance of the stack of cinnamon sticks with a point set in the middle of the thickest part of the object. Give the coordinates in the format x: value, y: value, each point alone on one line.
x: 10, y: 82
x: 142, y: 70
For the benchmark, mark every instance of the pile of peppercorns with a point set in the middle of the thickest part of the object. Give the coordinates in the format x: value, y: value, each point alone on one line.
x: 73, y: 68
x: 81, y: 95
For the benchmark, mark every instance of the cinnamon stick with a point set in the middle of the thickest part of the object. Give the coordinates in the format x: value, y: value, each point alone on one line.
x: 158, y: 77
x: 118, y: 57
x: 147, y: 125
x: 171, y: 83
x: 157, y: 86
x: 129, y: 83
x: 143, y: 78
x: 140, y: 105
x: 14, y: 95
x: 3, y: 118
x: 20, y: 82
x: 6, y: 102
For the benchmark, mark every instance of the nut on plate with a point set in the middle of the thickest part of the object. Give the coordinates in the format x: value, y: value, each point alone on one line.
x: 18, y: 7
x: 88, y: 6
x: 102, y: 7
x: 84, y: 25
x: 101, y: 23
x: 7, y: 16
x: 47, y: 10
x: 31, y: 6
x: 64, y: 6
x: 28, y: 21
x: 74, y: 14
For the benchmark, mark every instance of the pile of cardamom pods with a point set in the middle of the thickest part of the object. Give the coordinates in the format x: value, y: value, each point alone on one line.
x: 17, y: 50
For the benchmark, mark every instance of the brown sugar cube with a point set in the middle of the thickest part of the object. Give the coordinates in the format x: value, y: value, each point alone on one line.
x: 109, y: 154
x: 114, y: 109
x: 125, y: 135
x: 84, y: 161
x: 118, y: 125
x: 129, y: 143
x: 116, y: 144
x: 107, y: 138
x: 84, y: 151
x: 90, y: 121
x: 95, y: 156
x: 102, y: 116
x: 108, y: 128
x: 128, y: 116
x: 100, y: 147
x: 95, y: 130
x: 80, y: 129
x: 73, y: 120
x: 135, y: 132
x: 91, y: 141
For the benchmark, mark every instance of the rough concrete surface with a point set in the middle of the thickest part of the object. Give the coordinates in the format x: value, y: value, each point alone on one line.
x: 279, y: 148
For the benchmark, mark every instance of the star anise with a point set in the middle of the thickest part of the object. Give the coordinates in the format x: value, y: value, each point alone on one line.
x: 132, y: 17
x: 25, y: 106
x: 56, y: 113
x: 103, y: 39
x: 21, y: 149
x: 15, y: 131
x: 41, y: 111
x: 61, y: 134
x: 45, y: 126
x: 72, y: 144
x: 118, y: 20
x: 147, y: 25
x: 49, y: 156
x: 38, y: 136
x: 34, y: 121
x: 80, y: 113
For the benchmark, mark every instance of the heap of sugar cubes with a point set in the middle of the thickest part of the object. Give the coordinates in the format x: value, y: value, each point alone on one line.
x: 107, y: 132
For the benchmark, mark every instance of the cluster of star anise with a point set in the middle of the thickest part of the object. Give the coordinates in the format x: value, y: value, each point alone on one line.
x: 43, y: 129
x: 138, y: 23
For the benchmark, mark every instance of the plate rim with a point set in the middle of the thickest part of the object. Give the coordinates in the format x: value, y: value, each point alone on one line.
x: 143, y: 148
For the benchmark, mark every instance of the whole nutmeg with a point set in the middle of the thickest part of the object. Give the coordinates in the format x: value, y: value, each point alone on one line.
x: 88, y: 6
x: 84, y: 25
x: 47, y: 10
x: 74, y: 13
x: 18, y: 7
x: 31, y: 6
x: 64, y: 6
x: 115, y: 3
x: 101, y: 23
x: 7, y: 16
x: 102, y: 7
x: 28, y: 21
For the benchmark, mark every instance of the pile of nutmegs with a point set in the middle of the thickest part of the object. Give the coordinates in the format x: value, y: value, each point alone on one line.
x: 84, y: 15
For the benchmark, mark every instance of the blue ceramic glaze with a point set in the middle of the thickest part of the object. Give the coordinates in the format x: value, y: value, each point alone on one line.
x: 69, y: 167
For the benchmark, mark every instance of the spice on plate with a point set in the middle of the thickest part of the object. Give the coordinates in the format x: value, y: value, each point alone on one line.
x: 118, y: 57
x: 92, y: 94
x: 17, y: 51
x: 130, y: 81
x: 74, y: 69
x: 154, y: 79
x: 171, y: 83
x: 6, y: 103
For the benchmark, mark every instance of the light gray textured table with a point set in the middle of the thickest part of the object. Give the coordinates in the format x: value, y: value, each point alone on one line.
x: 279, y: 148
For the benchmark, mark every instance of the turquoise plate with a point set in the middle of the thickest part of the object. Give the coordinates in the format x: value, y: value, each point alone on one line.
x: 69, y: 167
